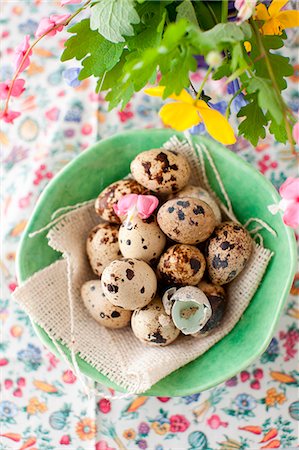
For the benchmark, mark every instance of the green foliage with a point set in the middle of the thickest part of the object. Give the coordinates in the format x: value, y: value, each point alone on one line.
x: 126, y: 42
x: 114, y: 18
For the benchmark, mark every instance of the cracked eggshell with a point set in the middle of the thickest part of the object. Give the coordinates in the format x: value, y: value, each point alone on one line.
x: 218, y: 301
x: 110, y: 196
x: 141, y: 238
x: 151, y: 325
x: 161, y: 171
x: 201, y: 194
x: 191, y: 309
x: 102, y: 246
x: 186, y: 220
x: 167, y: 298
x: 182, y: 264
x: 101, y: 309
x: 227, y: 252
x: 129, y: 283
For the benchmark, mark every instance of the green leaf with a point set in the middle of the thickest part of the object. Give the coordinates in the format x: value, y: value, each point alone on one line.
x: 267, y: 98
x: 222, y: 71
x: 279, y: 131
x: 97, y: 54
x: 113, y: 19
x: 148, y: 33
x: 218, y: 38
x: 253, y: 126
x: 110, y: 78
x: 185, y: 10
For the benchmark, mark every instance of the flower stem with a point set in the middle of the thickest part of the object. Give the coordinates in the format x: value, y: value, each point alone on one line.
x: 32, y: 46
x: 227, y: 111
x: 276, y: 88
x: 203, y: 82
x: 224, y: 11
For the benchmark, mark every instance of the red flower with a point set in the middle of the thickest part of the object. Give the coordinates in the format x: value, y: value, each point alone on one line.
x: 178, y: 423
x: 104, y: 405
x: 65, y: 440
x: 163, y: 399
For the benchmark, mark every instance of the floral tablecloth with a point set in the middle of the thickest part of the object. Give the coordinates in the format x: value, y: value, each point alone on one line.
x: 42, y: 403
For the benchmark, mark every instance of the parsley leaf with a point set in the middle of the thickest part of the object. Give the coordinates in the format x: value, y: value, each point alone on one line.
x: 253, y: 126
x: 266, y: 96
x: 113, y: 19
x: 98, y: 54
x: 185, y: 10
x: 279, y: 131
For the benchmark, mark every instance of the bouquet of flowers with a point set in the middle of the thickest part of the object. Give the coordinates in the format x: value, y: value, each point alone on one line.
x: 128, y: 44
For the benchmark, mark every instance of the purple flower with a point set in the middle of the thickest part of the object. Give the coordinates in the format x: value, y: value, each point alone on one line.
x: 201, y: 63
x: 239, y: 101
x: 219, y: 106
x: 232, y: 382
x: 142, y: 444
x: 191, y: 398
x: 70, y: 76
x: 143, y: 429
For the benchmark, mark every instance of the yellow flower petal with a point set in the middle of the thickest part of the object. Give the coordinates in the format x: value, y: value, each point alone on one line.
x: 276, y: 6
x: 288, y: 19
x: 247, y: 46
x: 159, y: 90
x: 261, y: 12
x: 272, y: 27
x: 216, y: 124
x: 179, y: 116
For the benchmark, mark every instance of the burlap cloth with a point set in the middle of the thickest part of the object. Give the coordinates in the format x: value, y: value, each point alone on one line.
x: 50, y: 294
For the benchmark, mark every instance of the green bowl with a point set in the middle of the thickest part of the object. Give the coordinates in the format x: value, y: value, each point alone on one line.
x: 250, y: 193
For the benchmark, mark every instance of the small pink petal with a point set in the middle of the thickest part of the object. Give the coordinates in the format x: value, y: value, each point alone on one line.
x: 146, y: 205
x: 296, y: 133
x: 291, y: 215
x: 59, y: 19
x: 290, y: 189
x: 20, y: 53
x: 124, y: 204
x: 69, y: 2
x: 9, y: 116
x: 47, y: 23
x: 16, y: 91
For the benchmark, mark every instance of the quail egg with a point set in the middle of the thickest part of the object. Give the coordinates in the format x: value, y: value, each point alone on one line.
x: 110, y: 196
x: 182, y: 264
x: 186, y: 220
x: 141, y: 238
x: 167, y: 295
x: 227, y: 252
x: 102, y: 246
x: 101, y: 309
x: 201, y: 194
x: 153, y: 326
x: 161, y: 171
x: 191, y: 309
x: 129, y: 283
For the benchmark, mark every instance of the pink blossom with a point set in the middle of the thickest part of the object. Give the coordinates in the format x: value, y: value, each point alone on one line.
x: 214, y: 422
x: 296, y: 133
x: 9, y: 116
x: 131, y: 204
x: 20, y: 53
x: 289, y: 203
x: 245, y: 9
x: 47, y: 23
x: 102, y: 445
x: 69, y: 2
x: 17, y: 89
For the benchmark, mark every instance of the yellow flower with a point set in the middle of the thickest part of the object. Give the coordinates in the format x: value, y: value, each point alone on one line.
x: 247, y: 46
x: 275, y: 20
x: 160, y: 428
x: 187, y: 112
x: 86, y: 429
x: 34, y: 406
x: 129, y: 434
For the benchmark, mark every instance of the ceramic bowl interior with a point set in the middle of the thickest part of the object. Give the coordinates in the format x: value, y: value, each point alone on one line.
x: 250, y: 193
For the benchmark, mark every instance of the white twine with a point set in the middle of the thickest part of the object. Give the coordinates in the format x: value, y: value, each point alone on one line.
x: 71, y: 207
x: 261, y: 222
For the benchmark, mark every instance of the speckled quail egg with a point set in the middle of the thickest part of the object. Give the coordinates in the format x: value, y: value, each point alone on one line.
x: 129, y: 283
x: 217, y: 298
x: 167, y: 295
x: 161, y: 171
x: 102, y: 246
x: 110, y: 196
x: 182, y: 264
x: 141, y: 238
x: 186, y: 220
x: 101, y: 309
x: 201, y: 194
x: 153, y: 326
x: 191, y: 309
x: 227, y: 252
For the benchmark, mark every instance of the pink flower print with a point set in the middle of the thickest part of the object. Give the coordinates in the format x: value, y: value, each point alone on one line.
x: 20, y: 52
x: 16, y: 91
x: 47, y: 23
x: 214, y: 422
x: 69, y: 2
x: 296, y: 133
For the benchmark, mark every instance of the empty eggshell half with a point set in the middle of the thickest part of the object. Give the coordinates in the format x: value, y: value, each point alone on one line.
x: 101, y: 309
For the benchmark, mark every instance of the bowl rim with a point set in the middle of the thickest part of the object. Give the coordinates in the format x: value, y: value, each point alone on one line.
x: 155, y: 390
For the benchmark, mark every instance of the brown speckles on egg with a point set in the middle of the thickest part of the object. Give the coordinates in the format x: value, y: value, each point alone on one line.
x: 102, y: 246
x: 123, y: 283
x: 110, y: 196
x: 161, y: 170
x: 228, y: 250
x: 187, y: 220
x: 182, y: 264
